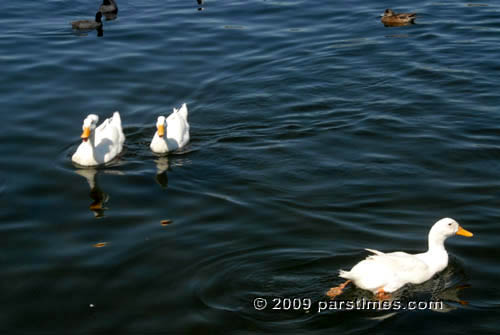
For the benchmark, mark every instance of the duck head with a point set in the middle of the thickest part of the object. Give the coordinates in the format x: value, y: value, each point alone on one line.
x: 160, y: 126
x: 448, y: 227
x: 89, y: 124
x: 388, y: 12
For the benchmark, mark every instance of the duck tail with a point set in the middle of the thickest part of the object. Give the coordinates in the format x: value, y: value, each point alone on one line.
x: 373, y: 251
x: 116, y: 120
x: 344, y: 274
x: 183, y: 111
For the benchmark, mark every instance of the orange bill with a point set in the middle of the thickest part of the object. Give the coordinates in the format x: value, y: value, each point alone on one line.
x: 161, y: 130
x: 464, y: 232
x: 86, y: 133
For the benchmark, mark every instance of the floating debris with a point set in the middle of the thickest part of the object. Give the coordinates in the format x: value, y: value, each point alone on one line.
x: 100, y: 244
x: 166, y: 222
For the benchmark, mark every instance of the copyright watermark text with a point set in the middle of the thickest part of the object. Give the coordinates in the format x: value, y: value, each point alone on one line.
x: 307, y: 304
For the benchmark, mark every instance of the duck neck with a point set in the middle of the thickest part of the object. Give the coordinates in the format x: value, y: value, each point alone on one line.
x: 164, y: 139
x: 92, y: 139
x: 436, y: 242
x: 436, y: 256
x: 91, y: 142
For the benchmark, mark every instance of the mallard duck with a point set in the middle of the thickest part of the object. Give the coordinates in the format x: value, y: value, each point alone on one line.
x: 88, y: 24
x: 108, y: 7
x: 102, y: 144
x: 383, y: 273
x: 172, y: 133
x: 392, y: 19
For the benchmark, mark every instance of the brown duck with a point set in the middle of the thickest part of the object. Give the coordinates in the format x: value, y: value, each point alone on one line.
x: 88, y: 24
x: 392, y: 19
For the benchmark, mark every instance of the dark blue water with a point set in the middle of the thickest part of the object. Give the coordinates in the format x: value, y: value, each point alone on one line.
x: 315, y: 132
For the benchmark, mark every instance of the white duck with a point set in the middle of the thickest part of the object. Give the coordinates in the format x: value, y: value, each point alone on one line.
x: 102, y: 144
x: 172, y: 132
x: 383, y: 273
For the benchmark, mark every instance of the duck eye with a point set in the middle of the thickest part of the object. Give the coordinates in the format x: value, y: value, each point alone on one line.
x: 449, y: 224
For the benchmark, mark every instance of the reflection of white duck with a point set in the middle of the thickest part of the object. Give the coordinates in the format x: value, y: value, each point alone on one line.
x: 162, y: 165
x: 102, y: 144
x: 96, y: 194
x: 383, y: 273
x: 172, y: 132
x: 90, y: 175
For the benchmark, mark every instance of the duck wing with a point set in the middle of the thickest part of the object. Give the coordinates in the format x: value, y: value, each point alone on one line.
x: 406, y: 267
x: 116, y: 122
x: 407, y: 16
x: 183, y: 112
x: 178, y: 127
x: 109, y: 137
x: 85, y: 24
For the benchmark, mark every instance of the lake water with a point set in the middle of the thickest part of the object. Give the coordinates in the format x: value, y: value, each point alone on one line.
x: 316, y: 132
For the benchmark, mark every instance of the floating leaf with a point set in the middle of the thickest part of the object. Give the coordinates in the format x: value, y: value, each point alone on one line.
x: 166, y: 222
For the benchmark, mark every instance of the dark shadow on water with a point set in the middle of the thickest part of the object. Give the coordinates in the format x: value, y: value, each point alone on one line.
x: 387, y: 25
x: 3, y: 186
x: 450, y: 298
x: 397, y: 36
x: 99, y: 31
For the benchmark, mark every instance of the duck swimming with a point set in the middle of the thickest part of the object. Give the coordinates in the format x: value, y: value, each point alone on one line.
x: 108, y: 7
x: 392, y: 19
x: 383, y: 273
x: 88, y: 24
x: 99, y: 144
x: 172, y: 132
